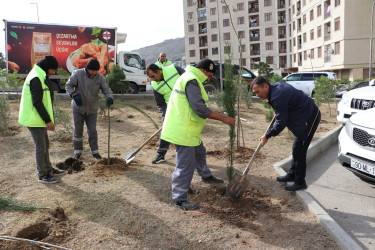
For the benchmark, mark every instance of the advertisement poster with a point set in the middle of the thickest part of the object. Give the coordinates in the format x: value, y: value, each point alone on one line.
x: 73, y: 46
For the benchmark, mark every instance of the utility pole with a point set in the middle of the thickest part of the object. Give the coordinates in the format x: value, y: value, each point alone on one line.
x: 370, y: 64
x: 37, y: 10
x: 219, y: 36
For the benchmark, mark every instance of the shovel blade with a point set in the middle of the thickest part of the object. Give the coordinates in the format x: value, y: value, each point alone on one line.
x: 237, y: 186
x: 129, y: 157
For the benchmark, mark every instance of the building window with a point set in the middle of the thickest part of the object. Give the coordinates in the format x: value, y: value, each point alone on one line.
x: 294, y: 57
x: 225, y: 9
x: 215, y: 51
x: 243, y: 48
x: 241, y: 34
x: 312, y: 54
x: 304, y: 37
x: 312, y: 34
x: 311, y: 14
x: 243, y: 61
x: 269, y: 46
x: 267, y: 3
x: 192, y: 53
x: 213, y: 11
x: 268, y: 31
x: 190, y: 15
x: 214, y: 38
x: 294, y: 42
x: 213, y: 25
x: 191, y: 40
x: 304, y: 3
x: 337, y: 3
x: 305, y: 55
x: 337, y: 47
x: 304, y: 19
x: 319, y: 52
x: 319, y: 31
x: 293, y: 9
x: 240, y: 20
x: 269, y: 59
x: 225, y: 22
x: 227, y: 36
x: 268, y: 16
x: 190, y: 3
x: 319, y: 10
x: 294, y: 25
x: 191, y: 28
x: 337, y: 23
x: 239, y: 6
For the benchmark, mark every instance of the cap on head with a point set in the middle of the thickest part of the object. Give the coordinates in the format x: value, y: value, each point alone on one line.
x: 207, y: 65
x: 48, y: 62
x: 93, y: 64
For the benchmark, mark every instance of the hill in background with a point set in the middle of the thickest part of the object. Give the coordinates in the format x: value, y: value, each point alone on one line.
x: 174, y: 48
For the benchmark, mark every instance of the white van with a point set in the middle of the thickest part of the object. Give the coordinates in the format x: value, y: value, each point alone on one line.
x: 305, y: 81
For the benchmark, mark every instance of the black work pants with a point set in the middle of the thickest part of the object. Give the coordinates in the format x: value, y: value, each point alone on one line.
x: 298, y: 164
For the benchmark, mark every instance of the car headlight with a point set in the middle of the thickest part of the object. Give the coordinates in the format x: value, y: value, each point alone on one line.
x: 349, y: 128
x: 345, y: 99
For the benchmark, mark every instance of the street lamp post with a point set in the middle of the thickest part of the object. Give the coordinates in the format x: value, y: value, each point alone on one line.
x: 370, y: 64
x: 219, y: 36
x: 37, y: 9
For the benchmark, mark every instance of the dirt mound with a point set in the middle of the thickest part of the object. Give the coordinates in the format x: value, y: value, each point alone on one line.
x: 116, y: 166
x: 242, y: 154
x: 71, y: 165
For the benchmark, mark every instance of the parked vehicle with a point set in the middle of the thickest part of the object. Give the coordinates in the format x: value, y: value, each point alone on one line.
x: 305, y: 81
x: 357, y: 145
x: 355, y: 101
x: 73, y: 47
x: 214, y: 83
x: 353, y: 85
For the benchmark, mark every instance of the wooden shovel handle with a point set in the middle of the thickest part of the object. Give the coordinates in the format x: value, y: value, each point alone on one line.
x: 149, y: 139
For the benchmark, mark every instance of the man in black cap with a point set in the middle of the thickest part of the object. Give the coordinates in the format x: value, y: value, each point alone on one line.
x: 83, y: 87
x: 185, y: 118
x: 36, y: 113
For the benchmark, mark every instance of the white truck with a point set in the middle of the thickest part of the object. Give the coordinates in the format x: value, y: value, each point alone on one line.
x: 73, y: 47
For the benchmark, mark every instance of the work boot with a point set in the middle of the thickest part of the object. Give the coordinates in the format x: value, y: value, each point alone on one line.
x: 97, y: 156
x: 185, y: 205
x: 158, y: 159
x: 285, y: 178
x: 76, y: 156
x: 57, y: 172
x: 211, y: 179
x: 48, y: 179
x: 295, y: 187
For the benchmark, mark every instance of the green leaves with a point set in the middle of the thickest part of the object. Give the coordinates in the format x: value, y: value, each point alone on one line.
x: 13, y: 34
x: 96, y: 31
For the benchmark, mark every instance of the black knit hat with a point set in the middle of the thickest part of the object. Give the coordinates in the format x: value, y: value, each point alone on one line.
x: 206, y: 64
x: 48, y: 62
x: 93, y: 64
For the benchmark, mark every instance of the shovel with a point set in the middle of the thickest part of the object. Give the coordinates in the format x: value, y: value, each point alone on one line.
x: 130, y: 156
x: 239, y: 183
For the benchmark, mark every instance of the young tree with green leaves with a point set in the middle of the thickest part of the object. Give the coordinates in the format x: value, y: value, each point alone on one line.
x: 324, y: 92
x: 264, y: 70
x: 116, y: 78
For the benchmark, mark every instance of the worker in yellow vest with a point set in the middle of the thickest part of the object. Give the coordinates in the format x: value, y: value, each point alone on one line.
x: 163, y: 61
x: 185, y: 118
x: 163, y: 80
x: 36, y: 113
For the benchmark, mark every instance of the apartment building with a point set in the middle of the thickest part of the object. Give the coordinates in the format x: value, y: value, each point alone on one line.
x: 289, y: 35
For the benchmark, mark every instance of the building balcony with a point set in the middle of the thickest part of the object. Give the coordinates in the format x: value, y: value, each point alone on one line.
x: 202, y: 18
x: 253, y: 10
x: 300, y: 63
x: 299, y: 46
x: 255, y: 53
x: 254, y: 38
x: 282, y: 50
x: 281, y: 5
x: 255, y: 24
x: 327, y: 59
x: 282, y: 36
x: 283, y: 65
x: 327, y: 37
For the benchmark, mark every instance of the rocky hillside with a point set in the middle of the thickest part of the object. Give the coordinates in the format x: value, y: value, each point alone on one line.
x: 174, y: 48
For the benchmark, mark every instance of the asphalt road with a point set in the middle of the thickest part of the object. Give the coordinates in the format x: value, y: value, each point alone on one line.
x: 345, y: 197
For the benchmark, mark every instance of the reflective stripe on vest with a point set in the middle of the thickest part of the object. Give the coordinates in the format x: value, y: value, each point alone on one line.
x: 182, y: 126
x: 170, y: 75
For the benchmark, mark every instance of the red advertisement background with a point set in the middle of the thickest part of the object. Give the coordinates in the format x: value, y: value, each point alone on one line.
x: 19, y: 49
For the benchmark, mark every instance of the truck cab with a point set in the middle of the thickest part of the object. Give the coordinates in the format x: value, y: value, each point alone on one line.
x: 134, y: 68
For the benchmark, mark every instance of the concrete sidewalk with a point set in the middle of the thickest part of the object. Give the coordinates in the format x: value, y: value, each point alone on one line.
x: 317, y: 148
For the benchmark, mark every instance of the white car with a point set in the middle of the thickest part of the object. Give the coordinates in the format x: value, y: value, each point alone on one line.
x: 305, y: 81
x: 357, y: 145
x: 355, y: 101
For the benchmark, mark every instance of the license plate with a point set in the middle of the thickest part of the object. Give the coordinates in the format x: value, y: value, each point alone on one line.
x: 363, y: 166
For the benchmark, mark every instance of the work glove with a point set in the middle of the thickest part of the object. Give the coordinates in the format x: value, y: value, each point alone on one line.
x: 77, y: 99
x: 109, y: 101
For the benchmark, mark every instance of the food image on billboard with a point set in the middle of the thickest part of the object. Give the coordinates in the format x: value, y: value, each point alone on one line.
x: 73, y: 46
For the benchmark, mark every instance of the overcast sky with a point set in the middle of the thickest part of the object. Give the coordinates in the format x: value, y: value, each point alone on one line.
x: 146, y: 22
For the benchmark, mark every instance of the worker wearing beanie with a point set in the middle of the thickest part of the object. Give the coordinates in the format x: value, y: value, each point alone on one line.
x: 36, y: 113
x: 83, y: 87
x: 185, y: 118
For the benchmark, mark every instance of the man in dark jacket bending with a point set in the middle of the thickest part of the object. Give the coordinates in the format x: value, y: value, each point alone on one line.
x: 295, y: 110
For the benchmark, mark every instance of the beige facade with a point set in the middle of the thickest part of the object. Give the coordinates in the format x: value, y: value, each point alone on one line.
x: 289, y: 35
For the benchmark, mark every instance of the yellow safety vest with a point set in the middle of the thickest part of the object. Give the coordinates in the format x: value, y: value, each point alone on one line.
x: 28, y: 115
x: 163, y: 64
x: 165, y: 86
x: 182, y: 126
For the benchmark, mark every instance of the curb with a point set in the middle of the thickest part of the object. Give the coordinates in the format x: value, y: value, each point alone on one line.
x: 316, y: 148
